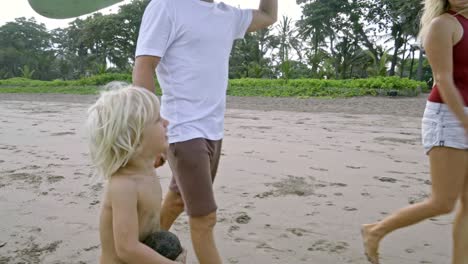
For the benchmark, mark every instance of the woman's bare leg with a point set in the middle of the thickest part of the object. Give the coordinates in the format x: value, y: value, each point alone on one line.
x: 460, y: 226
x: 448, y: 170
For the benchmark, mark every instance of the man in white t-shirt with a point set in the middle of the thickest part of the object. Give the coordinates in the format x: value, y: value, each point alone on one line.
x: 188, y: 42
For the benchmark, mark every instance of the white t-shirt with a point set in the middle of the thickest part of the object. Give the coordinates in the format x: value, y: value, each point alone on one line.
x: 194, y: 40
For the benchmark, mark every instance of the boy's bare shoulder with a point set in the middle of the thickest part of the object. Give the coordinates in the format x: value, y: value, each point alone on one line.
x: 121, y: 184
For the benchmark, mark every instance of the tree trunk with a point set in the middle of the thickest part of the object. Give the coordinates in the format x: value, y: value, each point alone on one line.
x: 403, y: 62
x: 397, y: 46
x: 412, y: 63
x: 420, y: 64
x: 314, y: 58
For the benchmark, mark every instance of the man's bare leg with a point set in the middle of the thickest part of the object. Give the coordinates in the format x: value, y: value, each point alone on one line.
x: 172, y: 207
x: 201, y: 229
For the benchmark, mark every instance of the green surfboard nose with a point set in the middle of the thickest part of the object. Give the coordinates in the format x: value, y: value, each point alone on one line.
x: 61, y: 9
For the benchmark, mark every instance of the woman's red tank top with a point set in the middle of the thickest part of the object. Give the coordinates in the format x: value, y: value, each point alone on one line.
x: 460, y: 64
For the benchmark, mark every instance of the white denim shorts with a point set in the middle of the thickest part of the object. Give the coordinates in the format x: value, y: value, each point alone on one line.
x: 441, y: 128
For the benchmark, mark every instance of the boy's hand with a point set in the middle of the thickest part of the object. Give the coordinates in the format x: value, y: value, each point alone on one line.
x: 182, y: 258
x: 160, y: 161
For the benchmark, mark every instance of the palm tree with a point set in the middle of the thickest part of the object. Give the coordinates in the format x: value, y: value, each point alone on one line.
x: 26, y: 72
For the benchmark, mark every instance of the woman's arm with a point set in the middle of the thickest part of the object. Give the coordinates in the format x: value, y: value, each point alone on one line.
x: 439, y: 44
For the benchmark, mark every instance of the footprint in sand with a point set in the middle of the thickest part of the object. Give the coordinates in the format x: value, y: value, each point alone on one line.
x: 312, y: 214
x: 35, y: 230
x: 396, y: 172
x: 354, y: 167
x: 418, y: 198
x: 26, y: 177
x: 386, y: 179
x: 97, y: 187
x: 427, y: 182
x: 338, y: 184
x: 32, y: 252
x: 318, y: 169
x: 328, y: 246
x: 91, y: 248
x: 297, y: 231
x: 365, y: 194
x: 233, y: 228
x: 291, y: 186
x: 54, y: 178
x: 32, y: 167
x: 243, y: 218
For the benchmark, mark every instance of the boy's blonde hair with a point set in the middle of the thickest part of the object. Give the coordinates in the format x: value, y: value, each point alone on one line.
x: 115, y: 125
x: 431, y: 10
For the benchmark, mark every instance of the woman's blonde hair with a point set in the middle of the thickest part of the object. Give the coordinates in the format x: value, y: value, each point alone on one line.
x: 431, y: 10
x: 115, y: 125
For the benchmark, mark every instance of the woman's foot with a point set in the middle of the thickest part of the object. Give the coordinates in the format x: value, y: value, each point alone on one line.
x: 371, y: 243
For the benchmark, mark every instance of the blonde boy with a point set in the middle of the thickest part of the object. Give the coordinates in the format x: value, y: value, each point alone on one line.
x: 126, y: 135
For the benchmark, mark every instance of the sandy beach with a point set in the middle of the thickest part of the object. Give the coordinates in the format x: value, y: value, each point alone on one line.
x: 296, y: 180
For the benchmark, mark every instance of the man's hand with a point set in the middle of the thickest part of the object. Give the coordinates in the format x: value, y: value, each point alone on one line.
x: 182, y: 258
x: 160, y: 161
x: 266, y: 15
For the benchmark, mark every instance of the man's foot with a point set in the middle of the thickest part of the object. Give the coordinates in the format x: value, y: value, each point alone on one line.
x: 371, y: 243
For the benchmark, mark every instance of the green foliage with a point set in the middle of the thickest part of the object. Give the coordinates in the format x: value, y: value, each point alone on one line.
x: 104, y: 79
x: 237, y: 87
x: 95, y: 80
x: 50, y: 89
x: 26, y: 72
x: 333, y: 39
x: 325, y: 88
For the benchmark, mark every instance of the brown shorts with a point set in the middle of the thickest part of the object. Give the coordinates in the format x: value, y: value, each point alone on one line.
x: 194, y: 164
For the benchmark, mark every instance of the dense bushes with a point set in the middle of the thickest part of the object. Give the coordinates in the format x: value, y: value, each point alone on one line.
x: 95, y: 80
x: 327, y: 88
x: 241, y: 87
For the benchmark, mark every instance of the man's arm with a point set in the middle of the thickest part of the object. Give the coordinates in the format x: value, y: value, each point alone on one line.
x: 144, y: 71
x: 266, y: 15
x: 123, y: 195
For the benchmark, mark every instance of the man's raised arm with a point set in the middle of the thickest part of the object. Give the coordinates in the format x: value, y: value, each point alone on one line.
x: 266, y: 15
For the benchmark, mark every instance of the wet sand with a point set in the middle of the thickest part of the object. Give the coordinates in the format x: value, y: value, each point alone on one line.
x: 296, y: 180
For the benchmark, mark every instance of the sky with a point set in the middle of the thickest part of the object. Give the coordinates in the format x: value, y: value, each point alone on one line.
x: 11, y: 9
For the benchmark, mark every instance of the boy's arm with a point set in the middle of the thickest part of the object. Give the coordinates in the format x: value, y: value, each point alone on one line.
x: 266, y: 15
x: 123, y: 195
